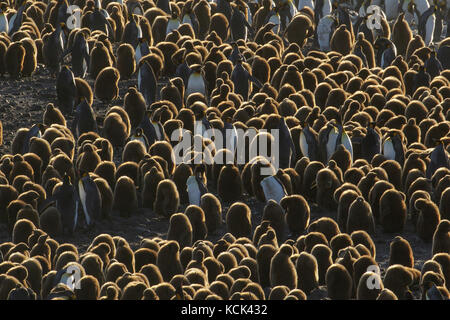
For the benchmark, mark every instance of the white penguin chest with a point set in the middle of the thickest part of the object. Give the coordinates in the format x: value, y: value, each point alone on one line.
x: 193, y: 191
x: 272, y: 189
x: 173, y: 24
x: 4, y: 26
x: 388, y: 150
x: 195, y: 84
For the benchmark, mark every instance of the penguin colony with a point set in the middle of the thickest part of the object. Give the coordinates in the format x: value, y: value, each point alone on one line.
x: 363, y: 116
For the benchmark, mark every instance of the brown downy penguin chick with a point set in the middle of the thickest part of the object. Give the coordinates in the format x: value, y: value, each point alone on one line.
x: 53, y: 115
x: 238, y: 219
x: 229, y: 184
x: 99, y: 59
x: 93, y: 266
x: 167, y: 198
x: 23, y: 228
x: 398, y: 279
x: 133, y: 151
x: 341, y: 41
x: 126, y: 63
x: 346, y: 198
x: 89, y: 288
x: 339, y: 282
x: 125, y: 198
x: 182, y: 172
x: 115, y: 129
x: 180, y: 230
x: 213, y: 211
x: 168, y: 260
x: 125, y: 255
x: 14, y: 59
x: 401, y: 253
x: 30, y: 59
x: 29, y: 213
x: 392, y: 211
x: 327, y: 226
x: 414, y: 44
x: 401, y: 34
x: 441, y: 238
x: 369, y: 286
x: 299, y: 30
x: 428, y: 220
x: 274, y: 213
x: 307, y: 271
x: 197, y: 218
x: 151, y: 181
x: 106, y: 86
x: 360, y: 216
x: 297, y: 213
x: 323, y: 254
x: 107, y: 196
x: 134, y: 105
x: 327, y: 183
x: 343, y: 158
x: 282, y: 269
x: 50, y: 222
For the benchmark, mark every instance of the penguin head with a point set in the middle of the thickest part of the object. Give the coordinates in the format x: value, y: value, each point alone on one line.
x: 67, y: 179
x: 138, y: 132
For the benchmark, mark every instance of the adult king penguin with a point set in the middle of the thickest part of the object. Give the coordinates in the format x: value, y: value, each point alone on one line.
x: 152, y: 128
x: 273, y: 189
x: 196, y: 82
x: 241, y: 77
x: 4, y: 25
x: 173, y: 23
x: 393, y: 147
x: 141, y: 50
x: 438, y: 158
x: 85, y: 120
x: 90, y: 198
x: 147, y: 82
x: 309, y: 143
x: 371, y: 143
x: 196, y: 187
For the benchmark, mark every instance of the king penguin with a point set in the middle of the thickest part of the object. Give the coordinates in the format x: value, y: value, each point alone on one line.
x: 201, y: 124
x: 196, y: 186
x: 241, y: 77
x: 141, y: 50
x: 274, y: 17
x: 324, y: 31
x: 147, y: 82
x: 337, y: 136
x: 309, y: 143
x: 90, y: 198
x: 239, y: 25
x: 273, y: 188
x: 386, y: 52
x: 371, y: 143
x: 438, y: 158
x: 67, y: 201
x: 80, y: 55
x: 152, y: 129
x: 427, y: 21
x: 35, y: 131
x: 196, y: 82
x: 393, y: 147
x: 4, y: 25
x: 17, y: 18
x: 139, y: 136
x: 230, y: 135
x: 85, y: 120
x: 287, y: 147
x: 173, y: 23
